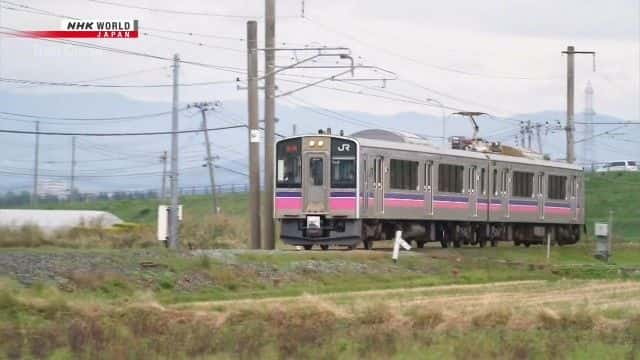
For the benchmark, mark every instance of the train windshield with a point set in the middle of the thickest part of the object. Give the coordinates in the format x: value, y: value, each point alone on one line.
x: 343, y: 173
x: 343, y: 163
x: 289, y: 163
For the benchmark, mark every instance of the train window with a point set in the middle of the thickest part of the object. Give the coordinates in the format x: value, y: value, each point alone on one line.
x: 289, y: 163
x: 495, y: 182
x: 483, y: 184
x: 450, y: 178
x: 557, y: 187
x: 404, y: 174
x: 316, y: 170
x: 522, y: 184
x: 343, y: 173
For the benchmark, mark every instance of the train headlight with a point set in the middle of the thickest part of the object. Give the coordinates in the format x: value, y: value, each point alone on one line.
x: 320, y: 143
x: 312, y: 143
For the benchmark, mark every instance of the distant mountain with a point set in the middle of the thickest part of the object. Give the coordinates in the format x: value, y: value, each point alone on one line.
x: 133, y: 163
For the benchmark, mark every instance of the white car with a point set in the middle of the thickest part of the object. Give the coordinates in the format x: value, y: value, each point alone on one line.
x: 621, y: 165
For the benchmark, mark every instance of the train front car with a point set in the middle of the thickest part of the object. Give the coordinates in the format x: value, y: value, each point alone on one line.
x: 316, y: 191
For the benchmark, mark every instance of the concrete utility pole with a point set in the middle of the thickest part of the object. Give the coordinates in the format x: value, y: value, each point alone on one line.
x: 254, y: 135
x: 539, y: 137
x: 269, y: 123
x: 529, y: 134
x: 36, y: 165
x: 204, y: 107
x: 174, y: 241
x: 570, y: 127
x: 73, y: 166
x: 293, y: 130
x: 163, y: 189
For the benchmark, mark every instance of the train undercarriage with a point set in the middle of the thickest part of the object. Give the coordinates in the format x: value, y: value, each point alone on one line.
x: 350, y: 233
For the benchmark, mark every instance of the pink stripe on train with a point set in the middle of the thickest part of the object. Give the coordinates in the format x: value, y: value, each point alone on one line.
x: 342, y: 203
x: 289, y: 203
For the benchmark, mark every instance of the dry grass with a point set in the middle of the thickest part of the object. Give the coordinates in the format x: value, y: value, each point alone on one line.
x: 203, y: 233
x: 306, y: 329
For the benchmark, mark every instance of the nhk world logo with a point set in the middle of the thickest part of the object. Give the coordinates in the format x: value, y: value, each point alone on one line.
x: 97, y: 29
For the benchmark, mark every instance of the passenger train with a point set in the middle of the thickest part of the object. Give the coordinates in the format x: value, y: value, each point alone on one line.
x: 344, y: 191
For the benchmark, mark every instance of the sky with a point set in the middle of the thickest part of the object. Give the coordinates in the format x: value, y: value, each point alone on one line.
x: 501, y: 57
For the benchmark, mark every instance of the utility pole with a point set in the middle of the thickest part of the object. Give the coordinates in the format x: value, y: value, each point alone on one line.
x: 204, y: 107
x: 539, y: 137
x: 73, y: 167
x: 163, y: 189
x: 254, y: 134
x: 174, y: 242
x: 522, y: 132
x: 34, y: 193
x: 293, y: 130
x: 529, y: 134
x: 269, y: 123
x: 570, y: 127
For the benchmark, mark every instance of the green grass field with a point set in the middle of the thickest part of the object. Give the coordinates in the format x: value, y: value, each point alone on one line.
x: 109, y: 293
x: 619, y: 192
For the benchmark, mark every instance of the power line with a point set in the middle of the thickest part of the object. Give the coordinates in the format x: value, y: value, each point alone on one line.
x: 15, y: 32
x: 119, y: 134
x: 195, y: 43
x: 82, y: 84
x: 175, y: 12
x: 420, y: 62
x: 130, y: 117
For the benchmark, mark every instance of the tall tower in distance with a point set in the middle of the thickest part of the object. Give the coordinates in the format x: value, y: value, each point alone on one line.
x: 588, y: 146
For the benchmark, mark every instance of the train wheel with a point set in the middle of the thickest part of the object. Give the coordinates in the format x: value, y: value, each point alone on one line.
x: 308, y: 247
x: 420, y: 244
x: 324, y: 247
x: 367, y: 244
x: 527, y: 244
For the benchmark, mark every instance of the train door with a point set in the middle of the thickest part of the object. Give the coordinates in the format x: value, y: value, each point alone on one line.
x: 472, y: 186
x: 573, y: 197
x: 540, y: 194
x: 316, y: 183
x: 378, y: 175
x: 505, y: 191
x: 428, y: 186
x: 364, y: 181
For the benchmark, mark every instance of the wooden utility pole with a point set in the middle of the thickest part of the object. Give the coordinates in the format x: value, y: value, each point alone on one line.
x: 254, y: 135
x: 268, y: 237
x: 204, y: 107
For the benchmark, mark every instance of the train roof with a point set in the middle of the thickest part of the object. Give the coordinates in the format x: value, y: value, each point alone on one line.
x: 375, y: 143
x: 401, y: 142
